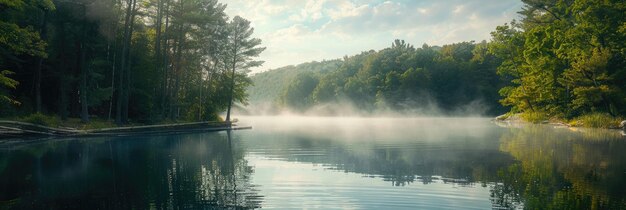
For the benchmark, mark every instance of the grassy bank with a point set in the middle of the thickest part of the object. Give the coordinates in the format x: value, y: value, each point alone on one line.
x: 591, y: 120
x: 596, y: 120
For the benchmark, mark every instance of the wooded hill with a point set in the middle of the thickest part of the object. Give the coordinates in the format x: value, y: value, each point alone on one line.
x: 399, y: 78
x: 268, y: 86
x: 563, y: 59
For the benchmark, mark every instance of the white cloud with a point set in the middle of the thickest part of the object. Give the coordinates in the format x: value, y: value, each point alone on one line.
x: 458, y: 9
x: 422, y: 11
x: 300, y: 31
x: 347, y: 9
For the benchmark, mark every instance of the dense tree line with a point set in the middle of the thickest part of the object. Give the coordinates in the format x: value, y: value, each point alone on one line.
x: 145, y: 60
x: 269, y: 85
x: 404, y: 78
x: 565, y: 58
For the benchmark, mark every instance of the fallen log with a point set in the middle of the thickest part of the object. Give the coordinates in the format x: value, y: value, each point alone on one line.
x: 15, y: 128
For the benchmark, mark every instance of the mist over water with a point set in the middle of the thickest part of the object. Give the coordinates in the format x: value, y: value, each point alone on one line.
x: 430, y: 162
x: 384, y: 128
x: 345, y: 108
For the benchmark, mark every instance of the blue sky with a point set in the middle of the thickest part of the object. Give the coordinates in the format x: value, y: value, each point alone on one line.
x: 298, y: 31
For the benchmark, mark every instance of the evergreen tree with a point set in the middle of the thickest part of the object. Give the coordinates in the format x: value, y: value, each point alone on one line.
x: 240, y: 50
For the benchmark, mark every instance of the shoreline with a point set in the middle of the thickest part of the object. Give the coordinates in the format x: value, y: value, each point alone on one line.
x: 516, y: 118
x: 17, y: 129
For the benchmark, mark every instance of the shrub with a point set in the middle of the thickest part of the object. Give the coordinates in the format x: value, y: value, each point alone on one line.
x: 41, y: 119
x: 99, y: 124
x: 535, y: 117
x: 596, y: 120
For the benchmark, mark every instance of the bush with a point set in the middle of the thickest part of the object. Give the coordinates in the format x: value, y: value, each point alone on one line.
x: 99, y: 124
x: 215, y: 117
x: 535, y: 117
x: 596, y: 120
x: 41, y: 119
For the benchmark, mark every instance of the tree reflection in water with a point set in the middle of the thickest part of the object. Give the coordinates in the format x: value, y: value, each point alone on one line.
x: 562, y: 169
x: 530, y: 166
x: 533, y: 167
x: 163, y: 172
x: 458, y: 160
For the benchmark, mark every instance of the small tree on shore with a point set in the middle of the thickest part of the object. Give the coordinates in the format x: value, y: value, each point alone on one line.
x: 241, y: 49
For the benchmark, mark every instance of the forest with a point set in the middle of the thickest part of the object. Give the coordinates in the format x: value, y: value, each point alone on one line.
x: 268, y: 86
x: 560, y: 60
x: 127, y: 61
x: 159, y: 60
x: 404, y: 78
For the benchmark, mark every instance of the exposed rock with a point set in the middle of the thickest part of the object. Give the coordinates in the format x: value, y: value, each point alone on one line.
x: 623, y: 125
x: 510, y: 118
x: 502, y: 117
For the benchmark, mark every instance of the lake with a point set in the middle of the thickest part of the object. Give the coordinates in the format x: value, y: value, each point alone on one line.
x: 325, y: 162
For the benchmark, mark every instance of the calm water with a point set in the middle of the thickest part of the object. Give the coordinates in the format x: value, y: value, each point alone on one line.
x: 343, y: 163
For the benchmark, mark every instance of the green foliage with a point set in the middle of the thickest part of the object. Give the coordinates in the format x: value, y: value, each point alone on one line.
x: 152, y: 60
x: 269, y: 85
x: 41, y: 119
x: 241, y: 49
x: 20, y: 4
x: 401, y: 77
x: 21, y: 40
x: 535, y: 117
x: 298, y: 94
x: 12, y: 3
x: 6, y: 82
x: 17, y: 40
x: 596, y: 120
x: 589, y: 77
x: 564, y: 58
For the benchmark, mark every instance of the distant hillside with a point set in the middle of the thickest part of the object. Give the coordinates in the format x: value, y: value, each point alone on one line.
x: 454, y: 79
x: 269, y: 85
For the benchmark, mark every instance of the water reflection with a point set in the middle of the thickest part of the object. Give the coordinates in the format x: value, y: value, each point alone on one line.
x: 185, y: 171
x: 563, y: 168
x: 401, y: 151
x: 525, y: 166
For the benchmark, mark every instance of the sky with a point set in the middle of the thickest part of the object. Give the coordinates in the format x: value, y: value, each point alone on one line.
x: 298, y: 31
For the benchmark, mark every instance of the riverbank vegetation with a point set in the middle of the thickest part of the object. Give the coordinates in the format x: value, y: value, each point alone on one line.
x: 565, y: 60
x: 128, y: 61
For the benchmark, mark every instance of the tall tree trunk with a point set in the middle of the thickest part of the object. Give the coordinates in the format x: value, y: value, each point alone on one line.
x: 114, y: 64
x: 212, y: 72
x: 166, y: 64
x: 157, y: 45
x: 174, y: 105
x: 62, y: 76
x: 177, y: 71
x: 112, y: 83
x: 127, y: 82
x: 200, y: 104
x: 232, y: 78
x: 38, y: 74
x: 232, y: 90
x: 125, y: 46
x: 84, y: 112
